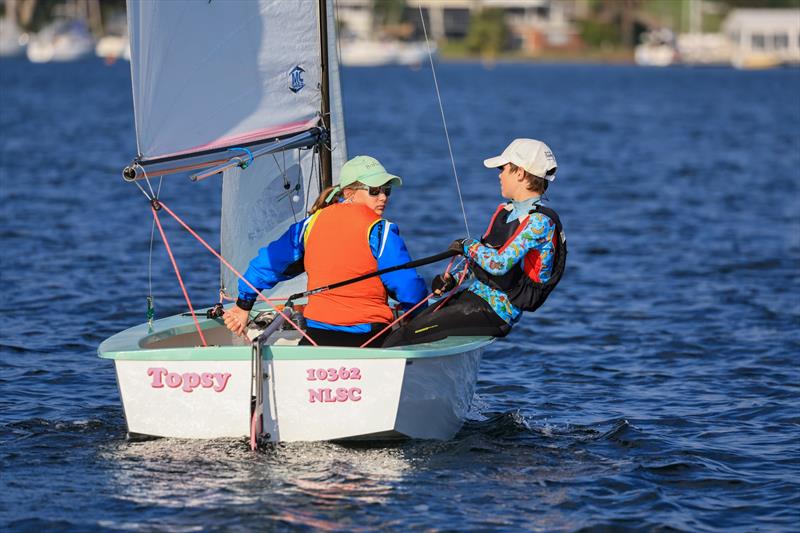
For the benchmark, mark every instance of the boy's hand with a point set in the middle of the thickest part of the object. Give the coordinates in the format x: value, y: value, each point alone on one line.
x: 457, y: 246
x: 443, y: 283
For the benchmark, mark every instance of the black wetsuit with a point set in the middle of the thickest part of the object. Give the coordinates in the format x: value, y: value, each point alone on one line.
x: 465, y: 314
x: 329, y: 337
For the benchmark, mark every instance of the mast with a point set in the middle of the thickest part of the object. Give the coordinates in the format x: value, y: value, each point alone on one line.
x: 326, y: 177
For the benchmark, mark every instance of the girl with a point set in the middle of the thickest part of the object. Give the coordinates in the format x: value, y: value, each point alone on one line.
x: 343, y: 237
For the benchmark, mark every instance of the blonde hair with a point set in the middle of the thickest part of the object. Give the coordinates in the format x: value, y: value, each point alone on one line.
x: 322, y: 202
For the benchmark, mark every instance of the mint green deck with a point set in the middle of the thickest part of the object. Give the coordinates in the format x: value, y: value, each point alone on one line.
x: 128, y: 345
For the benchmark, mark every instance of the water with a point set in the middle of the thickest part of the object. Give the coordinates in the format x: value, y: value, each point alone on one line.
x: 657, y: 389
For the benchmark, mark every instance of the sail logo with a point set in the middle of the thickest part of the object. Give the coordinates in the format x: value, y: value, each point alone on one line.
x: 296, y: 79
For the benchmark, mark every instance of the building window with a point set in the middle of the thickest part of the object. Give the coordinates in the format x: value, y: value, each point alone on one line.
x: 456, y: 22
x: 781, y: 41
x: 758, y: 41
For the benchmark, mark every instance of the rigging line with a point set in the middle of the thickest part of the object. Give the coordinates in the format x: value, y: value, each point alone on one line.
x: 299, y: 187
x: 149, y: 198
x: 461, y: 279
x: 180, y: 279
x: 150, y: 255
x: 150, y: 261
x: 232, y: 269
x: 338, y: 40
x: 444, y: 121
x: 398, y: 319
x: 225, y: 297
x: 310, y: 177
x: 287, y: 184
x: 147, y: 179
x: 290, y: 194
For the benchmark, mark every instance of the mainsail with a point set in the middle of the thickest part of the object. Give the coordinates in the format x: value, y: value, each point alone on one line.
x: 213, y: 80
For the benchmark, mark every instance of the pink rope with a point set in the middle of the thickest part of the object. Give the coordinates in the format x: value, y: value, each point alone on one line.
x: 255, y: 428
x: 401, y: 317
x: 180, y: 279
x: 450, y: 264
x: 238, y: 275
x: 223, y: 297
x: 428, y: 297
x: 453, y: 291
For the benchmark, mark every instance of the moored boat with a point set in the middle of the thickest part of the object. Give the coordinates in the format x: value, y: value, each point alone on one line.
x: 61, y: 41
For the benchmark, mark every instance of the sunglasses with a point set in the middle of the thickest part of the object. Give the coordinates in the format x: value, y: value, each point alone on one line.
x: 375, y: 191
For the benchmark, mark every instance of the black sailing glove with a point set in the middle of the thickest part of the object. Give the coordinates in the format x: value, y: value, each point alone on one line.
x: 442, y: 283
x: 457, y: 246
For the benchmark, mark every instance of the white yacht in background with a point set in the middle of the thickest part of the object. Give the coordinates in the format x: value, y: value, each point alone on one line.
x: 414, y: 54
x: 112, y: 48
x: 657, y: 49
x: 114, y: 43
x: 12, y: 39
x: 63, y: 40
x: 375, y: 53
x: 704, y: 49
x: 367, y: 53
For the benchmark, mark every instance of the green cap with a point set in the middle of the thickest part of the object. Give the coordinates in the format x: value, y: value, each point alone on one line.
x: 367, y: 170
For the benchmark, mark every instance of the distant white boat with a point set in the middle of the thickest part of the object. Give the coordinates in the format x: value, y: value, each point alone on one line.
x: 373, y: 53
x: 113, y: 47
x: 12, y: 39
x: 656, y: 50
x: 64, y: 40
x: 414, y: 53
x: 704, y: 49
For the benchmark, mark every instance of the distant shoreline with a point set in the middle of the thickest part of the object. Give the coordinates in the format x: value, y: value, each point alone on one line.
x: 615, y: 56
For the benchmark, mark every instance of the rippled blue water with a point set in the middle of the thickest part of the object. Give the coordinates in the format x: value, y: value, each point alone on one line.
x: 657, y: 389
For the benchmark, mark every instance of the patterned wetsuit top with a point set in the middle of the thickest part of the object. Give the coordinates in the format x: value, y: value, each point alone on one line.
x: 536, y: 236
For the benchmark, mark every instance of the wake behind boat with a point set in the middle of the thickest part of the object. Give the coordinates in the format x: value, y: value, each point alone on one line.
x: 259, y: 104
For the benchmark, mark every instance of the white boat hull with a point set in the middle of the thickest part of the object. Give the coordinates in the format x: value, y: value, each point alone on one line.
x: 161, y: 398
x: 170, y: 387
x: 387, y: 398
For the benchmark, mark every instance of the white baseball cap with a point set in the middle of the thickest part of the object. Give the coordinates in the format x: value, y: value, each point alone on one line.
x: 529, y: 154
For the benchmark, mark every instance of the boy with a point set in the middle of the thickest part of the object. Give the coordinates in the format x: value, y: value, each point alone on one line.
x: 516, y: 264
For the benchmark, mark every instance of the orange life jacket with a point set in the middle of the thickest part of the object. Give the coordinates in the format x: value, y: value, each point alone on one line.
x: 336, y: 249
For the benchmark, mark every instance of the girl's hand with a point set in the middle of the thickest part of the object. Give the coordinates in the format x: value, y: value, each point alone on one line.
x: 236, y: 319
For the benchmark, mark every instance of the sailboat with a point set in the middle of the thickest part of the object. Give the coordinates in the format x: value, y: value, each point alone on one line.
x: 250, y: 92
x: 62, y: 41
x: 12, y: 39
